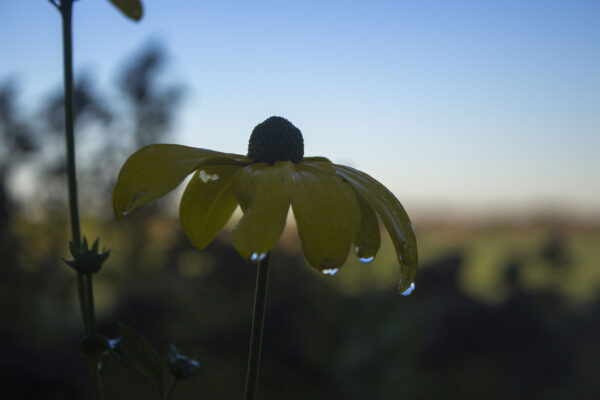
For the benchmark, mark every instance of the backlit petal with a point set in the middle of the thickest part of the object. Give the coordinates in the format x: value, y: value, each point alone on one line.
x: 318, y: 159
x: 327, y: 215
x: 157, y: 169
x: 394, y: 218
x: 207, y: 203
x: 265, y: 192
x: 368, y: 236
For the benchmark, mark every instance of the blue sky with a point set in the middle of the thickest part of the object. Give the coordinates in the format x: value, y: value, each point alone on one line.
x: 469, y: 104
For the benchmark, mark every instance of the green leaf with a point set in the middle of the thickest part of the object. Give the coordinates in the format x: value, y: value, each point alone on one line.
x: 394, y: 217
x: 180, y: 365
x: 131, y: 8
x: 207, y: 203
x: 141, y: 354
x: 266, y: 192
x: 327, y: 215
x: 157, y: 169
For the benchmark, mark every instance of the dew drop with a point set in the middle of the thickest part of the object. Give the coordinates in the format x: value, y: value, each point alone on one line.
x: 408, y: 291
x: 204, y: 177
x: 365, y: 260
x: 255, y: 257
x: 330, y: 271
x: 114, y: 343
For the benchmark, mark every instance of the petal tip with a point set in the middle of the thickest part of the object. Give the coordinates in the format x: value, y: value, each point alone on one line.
x: 406, y: 290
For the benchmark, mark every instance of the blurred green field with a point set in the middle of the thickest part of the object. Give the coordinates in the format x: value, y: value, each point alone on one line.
x: 488, y: 250
x: 498, y: 302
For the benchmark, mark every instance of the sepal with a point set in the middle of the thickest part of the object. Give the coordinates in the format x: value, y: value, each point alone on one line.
x: 85, y: 259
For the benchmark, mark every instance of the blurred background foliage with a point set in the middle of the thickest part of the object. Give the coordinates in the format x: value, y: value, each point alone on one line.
x: 504, y: 308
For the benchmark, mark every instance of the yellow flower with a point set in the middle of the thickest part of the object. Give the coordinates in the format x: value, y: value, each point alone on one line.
x: 335, y: 206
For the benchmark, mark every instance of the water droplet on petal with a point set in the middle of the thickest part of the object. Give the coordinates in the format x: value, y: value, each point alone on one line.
x: 255, y: 257
x: 204, y: 177
x: 114, y: 343
x: 365, y: 260
x: 330, y: 271
x: 408, y: 291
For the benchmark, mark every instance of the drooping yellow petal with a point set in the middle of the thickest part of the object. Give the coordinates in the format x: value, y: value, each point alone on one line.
x: 368, y: 236
x: 394, y: 218
x: 265, y: 192
x: 131, y: 8
x: 157, y: 169
x: 318, y: 159
x: 327, y: 215
x: 207, y: 203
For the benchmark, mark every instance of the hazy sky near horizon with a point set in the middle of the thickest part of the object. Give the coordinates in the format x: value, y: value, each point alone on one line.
x: 467, y: 103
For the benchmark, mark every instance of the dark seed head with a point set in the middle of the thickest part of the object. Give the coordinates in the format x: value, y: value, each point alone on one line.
x: 276, y: 139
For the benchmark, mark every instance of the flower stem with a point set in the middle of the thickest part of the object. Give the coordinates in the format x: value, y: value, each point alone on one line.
x: 258, y: 318
x: 170, y: 389
x: 84, y: 281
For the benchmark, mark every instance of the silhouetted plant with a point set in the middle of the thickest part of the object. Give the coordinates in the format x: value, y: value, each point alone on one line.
x: 335, y: 207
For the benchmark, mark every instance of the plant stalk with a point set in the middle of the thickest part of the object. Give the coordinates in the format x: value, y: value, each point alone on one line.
x: 84, y: 281
x: 258, y: 318
x: 170, y: 389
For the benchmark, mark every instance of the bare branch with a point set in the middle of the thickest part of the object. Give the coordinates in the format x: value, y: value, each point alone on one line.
x: 55, y: 4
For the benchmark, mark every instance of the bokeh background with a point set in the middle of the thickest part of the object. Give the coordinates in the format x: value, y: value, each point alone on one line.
x: 482, y: 118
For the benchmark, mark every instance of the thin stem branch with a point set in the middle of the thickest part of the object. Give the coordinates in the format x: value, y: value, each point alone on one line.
x: 84, y: 281
x: 258, y: 318
x: 67, y: 11
x: 55, y: 4
x: 89, y: 302
x: 170, y: 388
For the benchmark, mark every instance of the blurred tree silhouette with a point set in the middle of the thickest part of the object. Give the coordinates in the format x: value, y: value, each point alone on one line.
x: 152, y: 106
x: 90, y: 107
x: 142, y: 113
x: 18, y: 138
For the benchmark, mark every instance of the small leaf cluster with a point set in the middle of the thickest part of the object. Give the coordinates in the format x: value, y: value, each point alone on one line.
x: 131, y: 349
x: 85, y: 259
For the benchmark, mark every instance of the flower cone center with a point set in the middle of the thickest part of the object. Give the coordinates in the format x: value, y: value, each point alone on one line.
x: 276, y: 139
